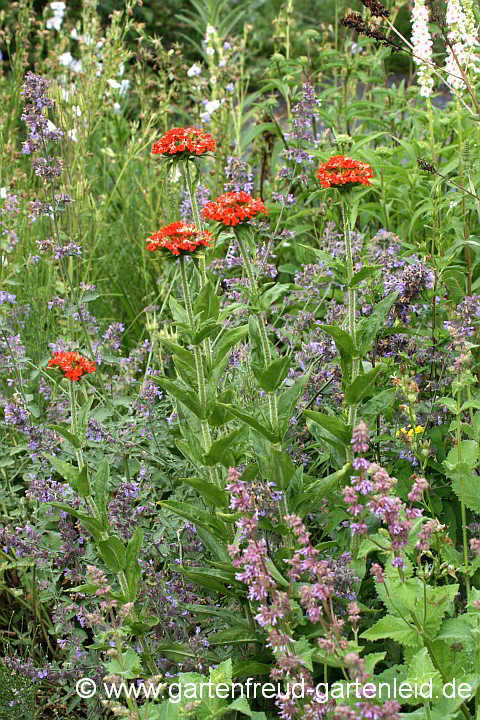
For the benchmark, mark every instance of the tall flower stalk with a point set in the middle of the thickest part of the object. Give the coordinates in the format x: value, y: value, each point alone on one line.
x: 234, y: 209
x: 182, y: 239
x: 344, y: 173
x: 183, y: 146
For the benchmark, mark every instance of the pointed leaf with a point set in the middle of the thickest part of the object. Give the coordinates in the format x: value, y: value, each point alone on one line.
x: 230, y: 338
x: 207, y: 303
x: 219, y: 448
x: 67, y: 435
x: 272, y: 376
x: 250, y: 420
x: 113, y: 553
x: 334, y: 425
x: 210, y: 492
x: 362, y: 386
x: 342, y: 339
x: 186, y: 397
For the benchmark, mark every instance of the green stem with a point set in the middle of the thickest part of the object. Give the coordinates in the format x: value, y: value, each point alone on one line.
x: 267, y: 356
x: 462, y: 495
x: 202, y: 396
x: 191, y: 188
x: 352, y: 302
x: 73, y: 405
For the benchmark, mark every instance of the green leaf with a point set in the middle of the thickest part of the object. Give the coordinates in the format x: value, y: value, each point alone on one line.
x: 179, y: 351
x: 362, y: 386
x: 342, y: 339
x: 394, y: 628
x: 254, y: 132
x: 196, y: 516
x: 240, y: 705
x: 83, y: 486
x: 207, y: 303
x: 288, y: 400
x: 282, y: 468
x: 219, y: 448
x: 334, y: 425
x: 249, y: 420
x: 455, y: 630
x: 467, y: 486
x: 179, y: 313
x: 89, y: 295
x: 186, y: 397
x: 92, y: 524
x: 67, y: 435
x: 215, y: 548
x: 449, y: 403
x: 234, y: 636
x: 365, y: 272
x: 206, y: 329
x: 65, y: 470
x: 207, y: 580
x: 217, y: 415
x: 270, y: 296
x: 466, y: 453
x: 368, y: 328
x: 274, y: 374
x: 229, y: 338
x: 210, y: 492
x: 129, y: 666
x: 323, y: 486
x: 250, y: 668
x: 132, y: 568
x: 82, y: 417
x: 113, y: 553
x: 379, y: 403
x: 101, y: 489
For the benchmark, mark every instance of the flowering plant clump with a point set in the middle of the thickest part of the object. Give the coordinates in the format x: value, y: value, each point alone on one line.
x: 178, y: 237
x: 232, y: 208
x: 188, y: 140
x: 73, y: 364
x: 340, y: 170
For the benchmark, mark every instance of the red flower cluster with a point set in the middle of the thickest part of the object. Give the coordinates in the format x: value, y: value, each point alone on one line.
x: 232, y: 208
x: 72, y: 364
x: 178, y: 140
x: 178, y: 237
x: 340, y: 170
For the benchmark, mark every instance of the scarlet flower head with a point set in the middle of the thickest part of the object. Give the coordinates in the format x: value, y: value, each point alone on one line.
x: 73, y: 364
x: 232, y: 208
x: 179, y: 238
x: 189, y: 141
x: 340, y: 170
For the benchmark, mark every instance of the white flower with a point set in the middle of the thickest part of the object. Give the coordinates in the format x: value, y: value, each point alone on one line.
x: 73, y: 34
x: 3, y: 193
x: 210, y: 30
x: 64, y: 94
x: 195, y: 70
x: 462, y: 35
x: 51, y: 126
x: 210, y: 51
x: 58, y: 6
x: 65, y: 59
x: 76, y: 110
x: 124, y: 85
x: 116, y: 108
x: 121, y: 70
x: 212, y: 105
x: 422, y: 44
x: 76, y: 66
x: 72, y: 134
x: 113, y: 84
x: 213, y: 80
x: 54, y: 22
